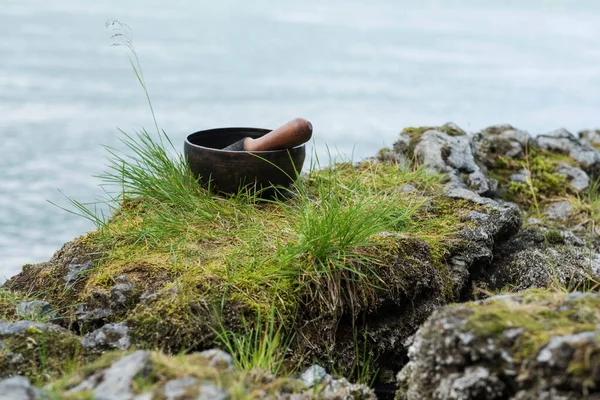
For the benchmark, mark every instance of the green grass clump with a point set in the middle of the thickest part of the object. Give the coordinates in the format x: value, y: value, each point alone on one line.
x: 260, y: 345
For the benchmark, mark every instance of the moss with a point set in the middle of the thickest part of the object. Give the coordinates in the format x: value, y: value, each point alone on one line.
x: 554, y: 236
x: 541, y: 315
x: 542, y: 165
x: 39, y: 355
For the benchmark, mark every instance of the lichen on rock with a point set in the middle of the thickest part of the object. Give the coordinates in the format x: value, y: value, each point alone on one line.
x: 531, y: 345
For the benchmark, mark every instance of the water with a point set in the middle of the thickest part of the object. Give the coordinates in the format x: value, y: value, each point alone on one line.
x: 360, y: 71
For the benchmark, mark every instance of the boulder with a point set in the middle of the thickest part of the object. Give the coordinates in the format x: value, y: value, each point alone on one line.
x: 565, y: 142
x: 532, y: 345
x: 446, y: 149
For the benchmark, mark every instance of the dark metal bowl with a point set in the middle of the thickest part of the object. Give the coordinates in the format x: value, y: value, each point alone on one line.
x: 228, y: 171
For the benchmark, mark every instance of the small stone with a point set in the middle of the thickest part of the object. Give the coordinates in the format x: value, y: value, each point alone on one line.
x: 109, y: 337
x: 114, y: 383
x: 314, y: 375
x: 35, y: 310
x: 18, y: 388
x: 407, y: 188
x: 520, y: 177
x: 74, y: 270
x: 558, y: 210
x: 466, y: 194
x: 15, y: 328
x: 218, y: 358
x: 175, y: 388
x: 211, y: 392
x: 559, y: 351
x: 577, y: 177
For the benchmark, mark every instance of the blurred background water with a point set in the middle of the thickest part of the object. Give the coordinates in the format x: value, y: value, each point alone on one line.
x: 359, y: 70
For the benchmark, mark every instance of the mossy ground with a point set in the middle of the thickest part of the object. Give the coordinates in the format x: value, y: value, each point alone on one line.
x: 251, y: 255
x: 541, y: 166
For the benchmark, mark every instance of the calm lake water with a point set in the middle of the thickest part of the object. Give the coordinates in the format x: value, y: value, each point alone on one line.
x: 359, y: 70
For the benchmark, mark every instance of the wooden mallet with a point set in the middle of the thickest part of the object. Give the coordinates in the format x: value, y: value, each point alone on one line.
x: 292, y: 134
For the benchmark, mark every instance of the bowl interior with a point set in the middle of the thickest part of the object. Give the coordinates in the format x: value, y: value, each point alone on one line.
x: 222, y: 137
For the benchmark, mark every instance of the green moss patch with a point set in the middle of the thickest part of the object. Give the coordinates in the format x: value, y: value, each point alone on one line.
x: 541, y: 315
x: 541, y: 167
x: 38, y: 354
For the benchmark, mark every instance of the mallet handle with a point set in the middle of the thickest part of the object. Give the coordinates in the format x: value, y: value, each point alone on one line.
x: 292, y: 134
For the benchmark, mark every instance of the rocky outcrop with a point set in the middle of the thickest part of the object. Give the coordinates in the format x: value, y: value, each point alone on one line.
x: 390, y: 295
x: 534, y: 345
x: 447, y: 149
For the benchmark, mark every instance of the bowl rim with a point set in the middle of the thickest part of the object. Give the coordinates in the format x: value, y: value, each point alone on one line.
x: 187, y: 141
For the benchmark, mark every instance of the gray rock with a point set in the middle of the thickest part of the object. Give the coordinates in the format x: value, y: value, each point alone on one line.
x: 175, y: 388
x: 466, y: 194
x: 558, y: 352
x: 520, y: 177
x: 75, y: 270
x: 114, y: 383
x: 109, y: 337
x: 212, y: 392
x: 448, y: 149
x: 559, y: 210
x: 18, y: 388
x: 494, y: 363
x: 499, y: 141
x: 473, y: 383
x: 15, y: 328
x: 538, y: 257
x: 563, y: 141
x: 218, y: 358
x: 95, y: 314
x: 439, y: 150
x: 577, y: 177
x: 591, y: 137
x: 314, y: 375
x: 35, y: 310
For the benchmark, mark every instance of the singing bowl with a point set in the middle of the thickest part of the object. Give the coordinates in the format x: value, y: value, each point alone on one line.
x: 228, y: 171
